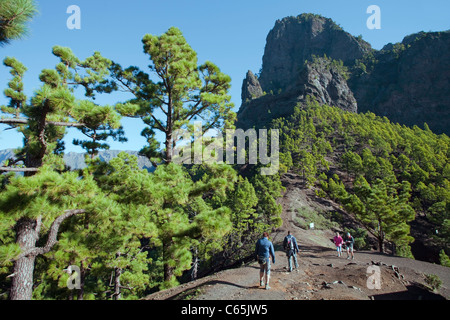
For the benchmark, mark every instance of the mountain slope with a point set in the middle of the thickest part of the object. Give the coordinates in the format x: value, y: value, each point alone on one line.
x: 407, y: 82
x: 321, y: 274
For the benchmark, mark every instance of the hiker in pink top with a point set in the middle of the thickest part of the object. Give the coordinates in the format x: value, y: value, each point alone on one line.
x: 338, y: 241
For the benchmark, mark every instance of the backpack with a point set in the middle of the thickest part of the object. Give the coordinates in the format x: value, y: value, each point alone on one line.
x: 290, y: 243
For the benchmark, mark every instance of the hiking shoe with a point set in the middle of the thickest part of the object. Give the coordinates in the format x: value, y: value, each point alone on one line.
x: 267, y: 287
x: 261, y: 283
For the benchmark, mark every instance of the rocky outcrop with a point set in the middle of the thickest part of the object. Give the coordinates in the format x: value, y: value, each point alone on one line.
x: 326, y: 81
x: 299, y: 60
x: 251, y: 88
x: 320, y: 78
x: 408, y: 82
x: 293, y: 40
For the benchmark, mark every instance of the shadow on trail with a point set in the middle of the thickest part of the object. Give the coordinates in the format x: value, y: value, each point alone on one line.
x: 312, y: 251
x: 195, y: 290
x: 413, y: 292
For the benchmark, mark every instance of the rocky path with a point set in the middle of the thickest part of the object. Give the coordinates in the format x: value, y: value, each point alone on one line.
x: 321, y: 274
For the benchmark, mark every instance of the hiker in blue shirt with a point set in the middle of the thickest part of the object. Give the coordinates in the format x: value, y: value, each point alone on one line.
x: 291, y: 248
x: 349, y: 242
x: 264, y: 249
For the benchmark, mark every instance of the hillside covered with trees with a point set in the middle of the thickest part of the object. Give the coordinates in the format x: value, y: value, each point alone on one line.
x: 131, y: 232
x: 128, y: 230
x: 385, y: 174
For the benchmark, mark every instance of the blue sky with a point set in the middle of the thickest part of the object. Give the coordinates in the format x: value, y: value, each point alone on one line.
x: 230, y: 33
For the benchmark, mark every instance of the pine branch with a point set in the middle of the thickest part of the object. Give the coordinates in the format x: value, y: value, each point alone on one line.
x: 53, y: 235
x: 55, y: 123
x: 9, y: 169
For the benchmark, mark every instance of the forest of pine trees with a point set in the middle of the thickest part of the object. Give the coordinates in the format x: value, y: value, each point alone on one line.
x: 131, y: 232
x: 383, y: 173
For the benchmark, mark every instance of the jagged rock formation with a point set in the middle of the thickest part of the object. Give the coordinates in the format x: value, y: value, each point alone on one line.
x: 320, y: 79
x: 296, y: 39
x: 407, y: 82
x: 251, y: 89
x: 297, y: 62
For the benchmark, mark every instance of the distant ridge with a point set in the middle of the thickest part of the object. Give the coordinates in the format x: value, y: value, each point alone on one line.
x: 75, y: 160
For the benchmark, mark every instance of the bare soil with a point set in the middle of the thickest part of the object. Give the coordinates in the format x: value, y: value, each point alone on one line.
x: 321, y: 274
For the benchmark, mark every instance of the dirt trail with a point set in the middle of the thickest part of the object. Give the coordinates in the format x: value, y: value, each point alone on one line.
x: 321, y: 274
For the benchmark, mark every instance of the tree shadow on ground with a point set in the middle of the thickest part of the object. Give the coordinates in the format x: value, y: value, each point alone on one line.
x: 414, y: 292
x: 192, y: 292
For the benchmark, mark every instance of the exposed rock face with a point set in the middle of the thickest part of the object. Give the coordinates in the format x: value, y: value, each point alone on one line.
x: 294, y: 67
x: 409, y: 82
x: 251, y: 89
x: 327, y: 83
x: 295, y: 39
x: 319, y: 79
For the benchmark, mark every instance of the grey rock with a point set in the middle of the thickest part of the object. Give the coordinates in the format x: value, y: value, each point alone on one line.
x: 408, y: 82
x: 319, y: 80
x: 295, y: 39
x: 290, y: 73
x: 251, y: 88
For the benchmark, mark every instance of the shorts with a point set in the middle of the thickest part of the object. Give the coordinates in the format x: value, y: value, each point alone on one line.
x: 265, y: 267
x: 290, y: 253
x: 349, y: 247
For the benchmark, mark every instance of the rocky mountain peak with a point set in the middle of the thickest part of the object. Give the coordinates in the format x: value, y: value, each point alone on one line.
x: 251, y: 88
x: 296, y: 39
x: 408, y: 82
x: 304, y: 56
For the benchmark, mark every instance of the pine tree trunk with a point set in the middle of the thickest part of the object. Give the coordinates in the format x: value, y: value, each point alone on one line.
x: 169, y: 148
x: 117, y: 285
x: 194, y: 266
x: 27, y: 233
x: 168, y: 272
x: 22, y: 284
x: 381, y: 245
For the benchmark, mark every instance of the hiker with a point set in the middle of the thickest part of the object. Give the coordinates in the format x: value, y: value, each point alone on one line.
x: 338, y: 243
x: 349, y: 242
x: 291, y: 248
x: 264, y: 249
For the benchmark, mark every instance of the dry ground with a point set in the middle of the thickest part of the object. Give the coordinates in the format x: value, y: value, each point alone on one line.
x: 321, y: 274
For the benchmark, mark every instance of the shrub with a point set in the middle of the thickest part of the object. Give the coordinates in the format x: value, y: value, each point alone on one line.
x: 433, y: 281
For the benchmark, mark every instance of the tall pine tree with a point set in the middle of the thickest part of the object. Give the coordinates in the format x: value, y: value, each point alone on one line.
x: 184, y: 92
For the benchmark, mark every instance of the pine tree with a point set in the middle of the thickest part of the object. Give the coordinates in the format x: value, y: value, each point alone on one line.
x: 174, y: 207
x: 385, y: 215
x: 185, y: 92
x: 352, y: 162
x: 36, y: 207
x: 54, y: 107
x: 42, y: 121
x: 242, y: 201
x: 14, y: 16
